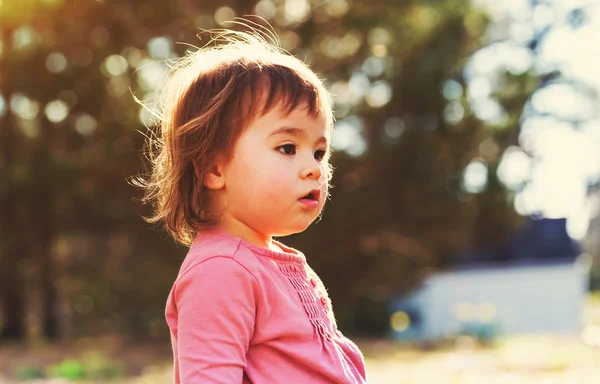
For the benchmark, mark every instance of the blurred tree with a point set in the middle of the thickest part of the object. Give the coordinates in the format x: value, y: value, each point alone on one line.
x: 71, y: 232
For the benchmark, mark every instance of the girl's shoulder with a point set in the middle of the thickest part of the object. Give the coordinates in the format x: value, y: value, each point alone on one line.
x: 213, y: 245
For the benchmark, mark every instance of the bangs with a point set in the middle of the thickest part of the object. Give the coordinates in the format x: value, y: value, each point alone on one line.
x: 275, y: 85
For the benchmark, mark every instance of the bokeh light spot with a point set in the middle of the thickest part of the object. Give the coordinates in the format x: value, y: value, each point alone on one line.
x: 296, y: 10
x: 394, y: 127
x: 85, y: 124
x: 159, y: 48
x: 224, y: 14
x: 347, y: 136
x: 265, y: 9
x: 475, y: 177
x: 454, y: 113
x: 379, y: 94
x: 379, y: 36
x: 289, y: 40
x: 452, y: 90
x: 24, y: 37
x: 337, y: 8
x: 24, y: 107
x: 115, y: 65
x: 514, y: 168
x: 373, y: 66
x: 339, y: 47
x: 358, y: 84
x: 150, y: 74
x: 400, y: 321
x: 56, y: 111
x: 56, y: 62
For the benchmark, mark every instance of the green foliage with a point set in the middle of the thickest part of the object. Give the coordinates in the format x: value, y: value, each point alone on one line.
x: 95, y: 366
x: 68, y: 369
x: 100, y: 367
x: 26, y: 372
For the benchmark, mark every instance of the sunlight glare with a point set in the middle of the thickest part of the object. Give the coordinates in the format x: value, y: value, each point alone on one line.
x: 543, y: 15
x: 563, y: 101
x: 576, y: 51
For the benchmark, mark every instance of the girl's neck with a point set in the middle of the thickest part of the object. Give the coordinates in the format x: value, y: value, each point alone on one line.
x: 244, y: 232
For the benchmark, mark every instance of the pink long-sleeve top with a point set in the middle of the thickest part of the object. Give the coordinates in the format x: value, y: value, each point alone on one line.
x: 240, y: 313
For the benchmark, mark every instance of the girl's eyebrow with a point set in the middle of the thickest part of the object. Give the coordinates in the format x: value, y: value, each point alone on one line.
x: 295, y: 131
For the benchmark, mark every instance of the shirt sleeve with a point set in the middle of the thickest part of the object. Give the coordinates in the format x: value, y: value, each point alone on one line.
x: 216, y: 310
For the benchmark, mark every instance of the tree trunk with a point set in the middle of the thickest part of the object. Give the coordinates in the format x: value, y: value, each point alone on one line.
x: 12, y: 244
x: 42, y: 202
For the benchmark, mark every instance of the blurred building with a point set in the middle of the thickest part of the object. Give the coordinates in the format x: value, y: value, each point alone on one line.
x: 537, y: 282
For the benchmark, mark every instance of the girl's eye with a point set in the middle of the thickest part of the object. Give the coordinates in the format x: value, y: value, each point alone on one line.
x: 319, y: 155
x: 287, y: 149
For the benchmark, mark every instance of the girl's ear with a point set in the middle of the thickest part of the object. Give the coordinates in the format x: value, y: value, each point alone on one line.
x: 213, y: 178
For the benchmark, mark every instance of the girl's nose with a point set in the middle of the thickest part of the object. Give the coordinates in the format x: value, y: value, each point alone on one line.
x: 312, y: 170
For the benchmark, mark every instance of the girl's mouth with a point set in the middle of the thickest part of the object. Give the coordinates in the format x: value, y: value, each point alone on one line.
x: 311, y: 199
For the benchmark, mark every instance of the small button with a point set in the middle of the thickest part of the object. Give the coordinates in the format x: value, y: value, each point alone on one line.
x: 313, y: 282
x: 324, y: 301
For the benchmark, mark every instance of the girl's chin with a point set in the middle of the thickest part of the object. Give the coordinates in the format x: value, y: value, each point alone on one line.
x: 292, y: 230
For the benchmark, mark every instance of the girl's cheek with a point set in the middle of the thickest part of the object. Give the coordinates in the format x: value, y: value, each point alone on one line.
x: 277, y: 184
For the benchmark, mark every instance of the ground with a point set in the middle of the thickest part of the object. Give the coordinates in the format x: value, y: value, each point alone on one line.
x: 523, y: 359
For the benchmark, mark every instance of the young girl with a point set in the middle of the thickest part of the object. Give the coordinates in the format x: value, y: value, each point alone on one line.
x: 243, y: 156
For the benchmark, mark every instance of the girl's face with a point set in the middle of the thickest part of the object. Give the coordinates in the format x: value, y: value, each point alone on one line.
x: 276, y: 182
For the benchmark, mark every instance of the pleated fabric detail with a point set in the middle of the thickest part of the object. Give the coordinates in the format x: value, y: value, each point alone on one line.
x: 297, y: 276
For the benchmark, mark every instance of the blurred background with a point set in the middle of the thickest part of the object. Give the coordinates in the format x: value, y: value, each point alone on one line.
x: 462, y: 240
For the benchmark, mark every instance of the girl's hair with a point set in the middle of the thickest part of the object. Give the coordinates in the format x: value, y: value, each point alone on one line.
x: 210, y: 98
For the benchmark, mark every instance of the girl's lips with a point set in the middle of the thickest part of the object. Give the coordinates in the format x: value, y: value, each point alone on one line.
x: 311, y: 199
x: 309, y: 203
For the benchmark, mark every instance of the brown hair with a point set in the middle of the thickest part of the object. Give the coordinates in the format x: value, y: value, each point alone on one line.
x: 210, y: 97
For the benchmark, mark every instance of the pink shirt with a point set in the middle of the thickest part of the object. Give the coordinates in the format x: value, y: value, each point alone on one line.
x: 239, y: 313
